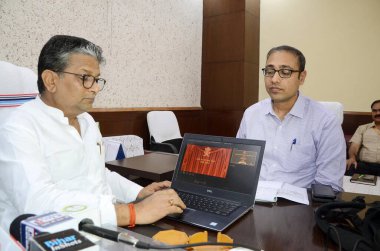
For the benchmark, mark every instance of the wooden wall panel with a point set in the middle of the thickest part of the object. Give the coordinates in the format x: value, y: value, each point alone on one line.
x: 191, y: 121
x: 352, y: 120
x: 222, y: 86
x: 251, y: 38
x: 219, y: 7
x: 223, y: 123
x: 251, y: 85
x: 122, y: 123
x: 230, y: 61
x: 223, y: 38
x: 253, y: 7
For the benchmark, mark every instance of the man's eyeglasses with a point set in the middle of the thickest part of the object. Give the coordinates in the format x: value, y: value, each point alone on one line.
x: 88, y: 80
x: 375, y: 110
x: 284, y: 73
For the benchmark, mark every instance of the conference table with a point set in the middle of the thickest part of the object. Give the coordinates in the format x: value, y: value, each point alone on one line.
x: 285, y: 225
x: 282, y: 226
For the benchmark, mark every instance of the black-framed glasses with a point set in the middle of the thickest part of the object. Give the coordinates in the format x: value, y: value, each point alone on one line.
x: 88, y: 80
x: 376, y: 110
x: 283, y: 73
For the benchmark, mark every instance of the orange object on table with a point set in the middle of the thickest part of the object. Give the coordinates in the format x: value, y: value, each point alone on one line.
x: 174, y: 237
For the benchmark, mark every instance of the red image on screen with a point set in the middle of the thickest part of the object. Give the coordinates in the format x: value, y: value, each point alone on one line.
x: 206, y: 160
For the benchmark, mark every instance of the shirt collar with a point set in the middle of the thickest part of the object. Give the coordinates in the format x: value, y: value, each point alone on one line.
x: 52, y: 111
x: 297, y: 109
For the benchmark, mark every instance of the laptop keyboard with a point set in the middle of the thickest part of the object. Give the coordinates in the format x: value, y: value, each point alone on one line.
x: 208, y: 204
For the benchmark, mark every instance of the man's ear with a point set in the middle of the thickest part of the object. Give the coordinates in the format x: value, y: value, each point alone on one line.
x: 50, y: 79
x: 302, y: 76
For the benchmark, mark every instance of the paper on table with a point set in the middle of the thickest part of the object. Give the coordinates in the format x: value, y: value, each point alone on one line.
x: 269, y: 191
x: 294, y: 193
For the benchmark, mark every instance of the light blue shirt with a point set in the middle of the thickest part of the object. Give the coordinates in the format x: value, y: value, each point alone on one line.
x: 307, y: 147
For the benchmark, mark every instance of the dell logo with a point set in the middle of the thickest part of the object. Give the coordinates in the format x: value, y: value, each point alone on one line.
x: 209, y: 191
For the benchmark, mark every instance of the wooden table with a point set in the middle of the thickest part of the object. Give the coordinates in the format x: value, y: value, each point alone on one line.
x: 155, y: 166
x: 360, y: 188
x: 284, y: 226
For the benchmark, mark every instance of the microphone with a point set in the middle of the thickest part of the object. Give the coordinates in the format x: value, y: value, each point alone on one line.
x: 87, y: 225
x: 69, y: 239
x: 15, y: 227
x: 27, y: 226
x: 51, y: 231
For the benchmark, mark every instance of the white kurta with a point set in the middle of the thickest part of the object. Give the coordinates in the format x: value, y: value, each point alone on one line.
x: 46, y: 165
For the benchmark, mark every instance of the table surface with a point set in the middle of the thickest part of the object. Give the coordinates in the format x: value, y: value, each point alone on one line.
x: 284, y: 226
x: 155, y: 166
x: 360, y: 188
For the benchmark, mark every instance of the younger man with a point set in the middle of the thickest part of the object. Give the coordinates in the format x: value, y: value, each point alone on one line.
x: 304, y: 141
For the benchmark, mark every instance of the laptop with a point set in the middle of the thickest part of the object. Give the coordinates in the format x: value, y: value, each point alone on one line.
x: 217, y: 179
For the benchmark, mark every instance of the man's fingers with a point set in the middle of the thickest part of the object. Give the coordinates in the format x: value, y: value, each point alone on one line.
x: 160, y: 185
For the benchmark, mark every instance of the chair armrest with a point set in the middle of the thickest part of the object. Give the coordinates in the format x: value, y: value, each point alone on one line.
x: 163, y: 147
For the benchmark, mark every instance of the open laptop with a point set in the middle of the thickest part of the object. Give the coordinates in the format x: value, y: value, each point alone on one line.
x: 217, y: 179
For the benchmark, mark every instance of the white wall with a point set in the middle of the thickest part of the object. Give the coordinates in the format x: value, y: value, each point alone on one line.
x: 340, y: 40
x: 153, y: 48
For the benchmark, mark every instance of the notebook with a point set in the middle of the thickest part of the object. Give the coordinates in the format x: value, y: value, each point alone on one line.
x: 366, y: 179
x: 217, y: 179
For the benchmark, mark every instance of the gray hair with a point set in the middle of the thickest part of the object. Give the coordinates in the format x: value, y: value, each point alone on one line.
x: 56, y: 53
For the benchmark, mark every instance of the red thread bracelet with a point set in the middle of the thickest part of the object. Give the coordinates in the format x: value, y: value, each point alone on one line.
x: 132, y: 215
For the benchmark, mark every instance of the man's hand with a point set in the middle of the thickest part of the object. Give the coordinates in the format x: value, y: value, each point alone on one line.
x: 351, y: 161
x: 352, y: 153
x: 157, y: 201
x: 154, y: 187
x: 157, y: 206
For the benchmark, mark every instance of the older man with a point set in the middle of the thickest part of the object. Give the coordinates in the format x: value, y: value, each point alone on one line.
x: 304, y: 141
x: 51, y: 153
x: 364, y: 150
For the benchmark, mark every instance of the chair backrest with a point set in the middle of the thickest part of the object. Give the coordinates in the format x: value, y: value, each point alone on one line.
x: 163, y: 125
x: 335, y: 107
x: 17, y: 86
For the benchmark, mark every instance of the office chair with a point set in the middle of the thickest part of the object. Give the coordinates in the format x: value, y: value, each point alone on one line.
x: 164, y: 131
x: 335, y: 107
x: 17, y: 86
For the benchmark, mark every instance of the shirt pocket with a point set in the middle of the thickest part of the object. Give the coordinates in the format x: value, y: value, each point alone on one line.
x: 301, y: 156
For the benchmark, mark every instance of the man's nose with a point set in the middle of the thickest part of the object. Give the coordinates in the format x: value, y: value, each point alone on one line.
x: 95, y: 88
x: 276, y: 77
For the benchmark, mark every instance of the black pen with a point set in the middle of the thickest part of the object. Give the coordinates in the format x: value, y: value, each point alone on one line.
x: 293, y: 143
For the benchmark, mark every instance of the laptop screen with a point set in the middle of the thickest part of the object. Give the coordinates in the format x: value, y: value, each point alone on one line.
x: 220, y: 162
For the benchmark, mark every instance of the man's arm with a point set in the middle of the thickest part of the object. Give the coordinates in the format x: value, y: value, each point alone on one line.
x: 331, y: 154
x: 352, y: 153
x: 151, y: 209
x: 29, y: 184
x: 355, y: 144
